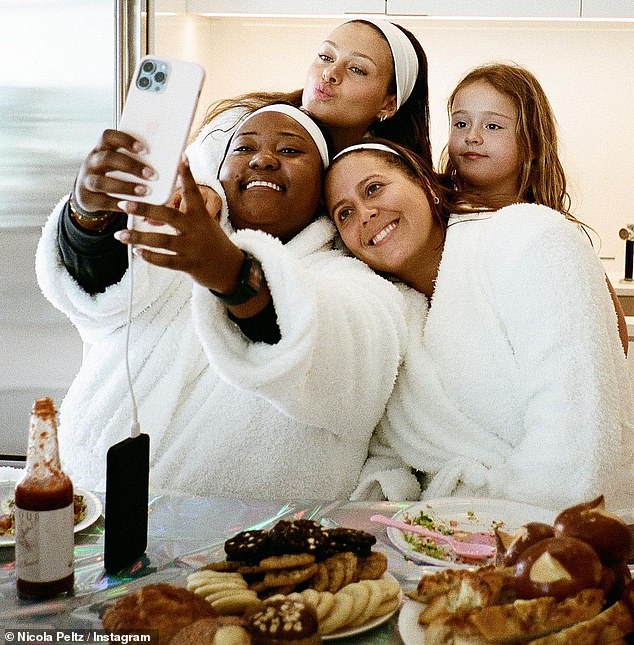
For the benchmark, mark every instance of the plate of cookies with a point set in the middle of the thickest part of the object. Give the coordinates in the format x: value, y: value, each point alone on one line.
x: 297, y: 581
x: 336, y: 571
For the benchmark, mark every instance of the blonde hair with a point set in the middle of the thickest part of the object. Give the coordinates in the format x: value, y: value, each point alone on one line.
x: 542, y: 179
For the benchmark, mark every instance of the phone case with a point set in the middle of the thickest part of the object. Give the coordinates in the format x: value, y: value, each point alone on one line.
x: 159, y: 111
x: 126, y: 511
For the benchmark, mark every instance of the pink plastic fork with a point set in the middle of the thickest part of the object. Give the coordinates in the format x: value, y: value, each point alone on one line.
x: 462, y: 549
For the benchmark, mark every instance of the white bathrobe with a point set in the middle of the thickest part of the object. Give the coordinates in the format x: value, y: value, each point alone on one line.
x: 227, y: 416
x: 515, y: 384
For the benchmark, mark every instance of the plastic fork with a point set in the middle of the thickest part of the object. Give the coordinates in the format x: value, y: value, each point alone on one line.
x: 462, y: 549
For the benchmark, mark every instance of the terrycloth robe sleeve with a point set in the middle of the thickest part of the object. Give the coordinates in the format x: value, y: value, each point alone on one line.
x: 95, y: 316
x: 342, y: 333
x: 550, y: 292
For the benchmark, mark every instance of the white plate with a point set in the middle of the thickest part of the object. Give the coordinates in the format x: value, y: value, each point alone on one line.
x: 411, y: 631
x: 367, y: 626
x: 476, y: 514
x: 93, y: 509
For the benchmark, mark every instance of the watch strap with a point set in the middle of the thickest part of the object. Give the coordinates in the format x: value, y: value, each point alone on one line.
x: 250, y: 283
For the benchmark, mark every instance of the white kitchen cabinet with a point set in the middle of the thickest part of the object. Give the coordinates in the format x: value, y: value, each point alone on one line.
x: 489, y: 8
x: 607, y: 9
x: 286, y: 7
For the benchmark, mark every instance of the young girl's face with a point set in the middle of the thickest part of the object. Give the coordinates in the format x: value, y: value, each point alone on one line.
x: 347, y: 83
x: 483, y: 145
x: 383, y: 215
x: 272, y: 176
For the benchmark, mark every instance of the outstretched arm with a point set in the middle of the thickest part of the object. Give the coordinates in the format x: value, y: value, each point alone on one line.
x: 200, y: 247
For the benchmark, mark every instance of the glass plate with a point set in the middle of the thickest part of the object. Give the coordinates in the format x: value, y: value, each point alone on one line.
x: 475, y: 514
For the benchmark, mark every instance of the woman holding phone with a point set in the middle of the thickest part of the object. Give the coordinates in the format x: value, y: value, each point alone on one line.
x: 250, y: 334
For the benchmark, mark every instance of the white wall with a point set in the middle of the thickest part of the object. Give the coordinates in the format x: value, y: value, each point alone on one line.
x: 585, y: 68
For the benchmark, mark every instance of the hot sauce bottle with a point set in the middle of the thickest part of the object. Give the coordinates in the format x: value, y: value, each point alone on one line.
x: 44, y: 518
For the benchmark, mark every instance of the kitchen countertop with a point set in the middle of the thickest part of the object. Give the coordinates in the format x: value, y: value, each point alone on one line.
x: 184, y: 534
x: 623, y: 288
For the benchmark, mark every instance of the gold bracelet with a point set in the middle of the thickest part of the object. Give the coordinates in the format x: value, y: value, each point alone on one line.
x: 97, y: 221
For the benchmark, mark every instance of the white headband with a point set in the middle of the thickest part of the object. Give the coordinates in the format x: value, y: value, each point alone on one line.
x: 304, y: 120
x: 404, y: 56
x: 366, y: 146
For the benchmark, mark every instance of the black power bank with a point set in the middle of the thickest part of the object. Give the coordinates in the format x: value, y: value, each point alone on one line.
x: 126, y: 512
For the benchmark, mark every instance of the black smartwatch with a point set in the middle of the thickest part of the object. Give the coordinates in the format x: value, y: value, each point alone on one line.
x: 250, y: 283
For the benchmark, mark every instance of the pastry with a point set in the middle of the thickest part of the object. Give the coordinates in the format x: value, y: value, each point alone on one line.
x: 159, y: 607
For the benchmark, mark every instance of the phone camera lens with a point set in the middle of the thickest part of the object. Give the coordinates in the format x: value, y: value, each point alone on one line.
x: 148, y: 67
x: 159, y: 77
x: 144, y: 82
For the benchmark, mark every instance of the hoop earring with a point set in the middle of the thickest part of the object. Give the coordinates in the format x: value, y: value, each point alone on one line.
x: 382, y: 117
x: 436, y: 200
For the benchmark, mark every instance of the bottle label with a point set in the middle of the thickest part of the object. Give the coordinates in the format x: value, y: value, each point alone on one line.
x: 44, y: 542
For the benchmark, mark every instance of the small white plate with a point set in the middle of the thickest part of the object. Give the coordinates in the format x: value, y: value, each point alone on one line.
x: 474, y: 514
x: 93, y: 509
x: 411, y: 631
x: 367, y: 626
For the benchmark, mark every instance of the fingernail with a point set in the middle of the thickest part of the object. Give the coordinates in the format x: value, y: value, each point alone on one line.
x: 137, y: 146
x: 140, y: 189
x: 123, y: 235
x: 149, y: 173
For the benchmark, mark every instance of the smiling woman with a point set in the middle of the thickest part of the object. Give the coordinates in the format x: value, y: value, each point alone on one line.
x: 254, y: 157
x: 247, y: 351
x: 507, y: 309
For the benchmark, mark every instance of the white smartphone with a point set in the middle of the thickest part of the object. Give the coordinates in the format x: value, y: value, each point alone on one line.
x: 158, y: 111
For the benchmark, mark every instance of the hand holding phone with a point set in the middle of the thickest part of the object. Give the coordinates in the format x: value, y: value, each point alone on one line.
x: 159, y: 111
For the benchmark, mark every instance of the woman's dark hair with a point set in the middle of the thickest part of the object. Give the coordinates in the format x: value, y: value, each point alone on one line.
x: 250, y: 102
x: 409, y: 126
